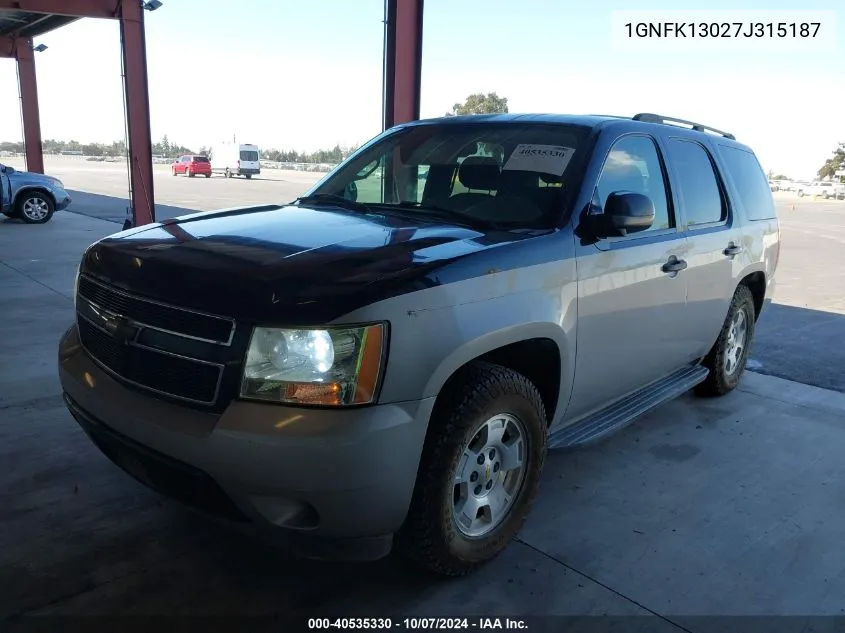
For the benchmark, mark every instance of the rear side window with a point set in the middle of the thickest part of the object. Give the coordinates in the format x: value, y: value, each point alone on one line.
x: 748, y: 179
x: 701, y: 197
x: 249, y: 155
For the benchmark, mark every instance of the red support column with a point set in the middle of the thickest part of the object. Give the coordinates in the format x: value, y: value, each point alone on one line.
x: 28, y: 88
x: 403, y: 61
x: 136, y: 90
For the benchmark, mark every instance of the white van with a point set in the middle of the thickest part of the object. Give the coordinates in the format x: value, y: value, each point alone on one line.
x: 235, y: 159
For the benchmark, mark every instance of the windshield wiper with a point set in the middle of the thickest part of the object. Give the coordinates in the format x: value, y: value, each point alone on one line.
x: 452, y: 214
x: 332, y: 198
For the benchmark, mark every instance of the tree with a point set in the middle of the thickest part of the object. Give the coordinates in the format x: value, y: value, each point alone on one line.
x: 479, y: 103
x: 833, y: 164
x: 779, y: 177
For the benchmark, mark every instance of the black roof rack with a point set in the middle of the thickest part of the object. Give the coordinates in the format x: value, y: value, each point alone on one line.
x: 647, y: 117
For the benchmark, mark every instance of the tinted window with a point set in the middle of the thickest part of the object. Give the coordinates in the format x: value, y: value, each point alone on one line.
x: 249, y: 155
x: 200, y: 159
x: 699, y: 189
x: 634, y: 165
x: 747, y: 176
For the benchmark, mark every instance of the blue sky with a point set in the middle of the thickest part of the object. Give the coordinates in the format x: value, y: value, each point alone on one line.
x: 304, y: 75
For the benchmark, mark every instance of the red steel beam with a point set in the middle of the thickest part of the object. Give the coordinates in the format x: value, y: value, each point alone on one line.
x: 71, y: 8
x: 136, y: 89
x: 28, y: 87
x: 7, y: 47
x: 403, y: 61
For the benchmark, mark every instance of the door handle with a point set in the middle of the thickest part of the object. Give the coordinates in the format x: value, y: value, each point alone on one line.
x: 674, y: 266
x: 732, y: 250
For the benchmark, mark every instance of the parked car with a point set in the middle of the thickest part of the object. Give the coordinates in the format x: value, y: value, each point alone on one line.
x: 191, y: 165
x: 29, y: 196
x: 236, y: 159
x: 388, y: 360
x: 822, y: 189
x: 773, y: 186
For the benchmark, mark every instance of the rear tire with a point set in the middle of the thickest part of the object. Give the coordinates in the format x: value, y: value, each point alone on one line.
x: 488, y: 414
x: 227, y: 173
x: 248, y: 176
x: 208, y: 175
x: 729, y: 355
x: 189, y: 173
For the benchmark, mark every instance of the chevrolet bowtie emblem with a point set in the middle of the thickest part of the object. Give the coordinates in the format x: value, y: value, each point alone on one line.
x: 118, y: 327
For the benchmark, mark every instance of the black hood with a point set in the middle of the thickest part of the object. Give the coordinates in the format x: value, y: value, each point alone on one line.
x: 287, y: 264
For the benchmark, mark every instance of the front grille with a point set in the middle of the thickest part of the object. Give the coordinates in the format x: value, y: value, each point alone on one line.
x: 166, y: 374
x: 165, y: 475
x: 177, y: 320
x: 152, y: 346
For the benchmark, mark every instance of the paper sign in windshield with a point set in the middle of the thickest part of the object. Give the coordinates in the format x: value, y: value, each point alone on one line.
x: 545, y: 159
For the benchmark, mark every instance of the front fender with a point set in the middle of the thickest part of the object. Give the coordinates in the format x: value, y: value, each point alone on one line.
x: 24, y: 188
x: 514, y: 333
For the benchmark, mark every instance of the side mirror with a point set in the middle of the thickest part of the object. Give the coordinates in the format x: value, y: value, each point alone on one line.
x: 626, y: 212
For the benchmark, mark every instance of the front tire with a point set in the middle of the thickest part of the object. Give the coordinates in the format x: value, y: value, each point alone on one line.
x: 34, y: 207
x: 727, y: 360
x: 479, y: 470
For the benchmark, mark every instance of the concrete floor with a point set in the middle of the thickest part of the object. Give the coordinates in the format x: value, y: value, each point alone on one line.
x: 725, y: 507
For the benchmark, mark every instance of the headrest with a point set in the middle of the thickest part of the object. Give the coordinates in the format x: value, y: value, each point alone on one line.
x: 479, y: 172
x: 551, y: 179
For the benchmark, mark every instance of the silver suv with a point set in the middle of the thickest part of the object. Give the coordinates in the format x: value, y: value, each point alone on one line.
x: 389, y: 357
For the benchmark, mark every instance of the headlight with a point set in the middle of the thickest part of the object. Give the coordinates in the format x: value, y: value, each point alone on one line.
x: 326, y: 366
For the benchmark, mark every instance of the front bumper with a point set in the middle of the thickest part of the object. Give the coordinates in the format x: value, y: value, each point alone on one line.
x: 331, y: 483
x: 62, y: 198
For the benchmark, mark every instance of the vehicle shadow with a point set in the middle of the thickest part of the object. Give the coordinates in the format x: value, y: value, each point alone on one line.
x: 802, y: 345
x: 115, y: 209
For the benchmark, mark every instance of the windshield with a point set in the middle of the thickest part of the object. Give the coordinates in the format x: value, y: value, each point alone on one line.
x: 510, y: 174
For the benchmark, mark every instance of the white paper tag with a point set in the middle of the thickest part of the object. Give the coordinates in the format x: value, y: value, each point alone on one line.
x: 546, y: 159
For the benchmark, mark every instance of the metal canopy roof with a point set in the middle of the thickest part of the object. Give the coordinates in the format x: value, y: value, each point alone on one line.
x: 27, y: 25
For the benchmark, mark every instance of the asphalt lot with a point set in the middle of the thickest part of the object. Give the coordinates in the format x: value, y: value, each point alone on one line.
x: 793, y: 338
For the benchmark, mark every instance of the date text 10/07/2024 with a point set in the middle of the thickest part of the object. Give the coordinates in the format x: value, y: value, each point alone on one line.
x: 723, y: 29
x: 417, y: 624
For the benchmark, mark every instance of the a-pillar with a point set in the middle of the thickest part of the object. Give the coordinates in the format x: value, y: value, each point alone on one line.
x: 28, y: 88
x: 403, y: 61
x: 136, y: 90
